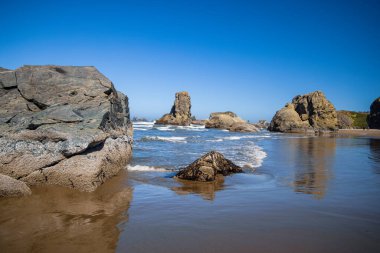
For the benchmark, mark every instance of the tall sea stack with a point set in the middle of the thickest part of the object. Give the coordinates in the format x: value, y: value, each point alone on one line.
x: 62, y: 125
x: 180, y: 114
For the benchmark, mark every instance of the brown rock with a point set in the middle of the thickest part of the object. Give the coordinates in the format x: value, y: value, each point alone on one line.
x: 10, y: 187
x: 229, y: 121
x: 311, y: 111
x: 207, y: 167
x: 180, y: 113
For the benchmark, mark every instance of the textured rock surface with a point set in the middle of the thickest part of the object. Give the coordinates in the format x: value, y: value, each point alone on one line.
x: 229, y: 121
x: 62, y: 125
x: 10, y: 187
x: 207, y: 167
x: 308, y: 112
x: 180, y: 113
x: 374, y: 115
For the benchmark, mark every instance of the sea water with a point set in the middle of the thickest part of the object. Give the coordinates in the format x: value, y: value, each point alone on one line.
x: 299, y: 193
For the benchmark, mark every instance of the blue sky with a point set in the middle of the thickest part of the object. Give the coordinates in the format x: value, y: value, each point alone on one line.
x: 250, y: 57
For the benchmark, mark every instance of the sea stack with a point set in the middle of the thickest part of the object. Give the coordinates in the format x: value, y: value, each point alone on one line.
x: 180, y: 114
x: 229, y: 121
x: 62, y: 125
x: 373, y: 119
x: 306, y: 112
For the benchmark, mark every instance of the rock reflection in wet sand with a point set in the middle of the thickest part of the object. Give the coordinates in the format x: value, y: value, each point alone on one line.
x: 205, y: 189
x: 55, y: 219
x: 313, y: 160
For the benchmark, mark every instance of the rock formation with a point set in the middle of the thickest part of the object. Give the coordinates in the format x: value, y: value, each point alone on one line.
x: 180, y: 113
x: 62, y: 125
x: 207, y: 167
x: 229, y: 121
x: 344, y: 120
x: 374, y: 115
x: 308, y: 112
x: 10, y: 187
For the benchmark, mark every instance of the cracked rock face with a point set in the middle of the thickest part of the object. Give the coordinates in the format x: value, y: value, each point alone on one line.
x: 180, y: 113
x: 307, y: 112
x: 62, y: 125
x: 207, y: 167
x: 373, y: 118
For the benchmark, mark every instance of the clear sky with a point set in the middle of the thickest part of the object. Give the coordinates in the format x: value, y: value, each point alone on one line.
x: 250, y: 57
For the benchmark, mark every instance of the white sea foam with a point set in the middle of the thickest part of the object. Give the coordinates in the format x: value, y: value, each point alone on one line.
x: 165, y: 128
x: 215, y: 140
x: 145, y: 168
x: 162, y: 138
x: 255, y: 155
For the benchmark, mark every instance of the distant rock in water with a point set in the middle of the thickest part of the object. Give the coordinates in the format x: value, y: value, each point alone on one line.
x: 62, y: 125
x: 207, y: 167
x: 180, y: 113
x: 374, y: 115
x: 229, y: 121
x: 201, y: 122
x: 308, y: 112
x: 137, y: 119
x: 262, y: 124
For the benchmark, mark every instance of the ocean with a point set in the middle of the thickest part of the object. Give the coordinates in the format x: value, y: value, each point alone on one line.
x: 298, y: 194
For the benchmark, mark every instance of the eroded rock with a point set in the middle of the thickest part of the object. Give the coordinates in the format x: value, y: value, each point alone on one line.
x: 10, y: 187
x: 307, y: 112
x: 180, y: 113
x: 62, y: 125
x: 229, y: 121
x: 207, y: 167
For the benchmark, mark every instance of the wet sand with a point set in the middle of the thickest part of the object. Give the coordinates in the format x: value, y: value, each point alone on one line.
x: 375, y: 133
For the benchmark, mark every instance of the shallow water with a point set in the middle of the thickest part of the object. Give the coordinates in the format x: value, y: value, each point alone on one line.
x: 299, y: 194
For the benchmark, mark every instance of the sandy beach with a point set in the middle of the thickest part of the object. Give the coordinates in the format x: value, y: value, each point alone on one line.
x: 375, y: 133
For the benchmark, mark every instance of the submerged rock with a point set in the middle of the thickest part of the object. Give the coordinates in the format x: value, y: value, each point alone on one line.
x: 180, y: 113
x: 10, y: 187
x: 62, y: 125
x: 374, y: 115
x: 229, y: 121
x: 308, y: 112
x: 207, y: 167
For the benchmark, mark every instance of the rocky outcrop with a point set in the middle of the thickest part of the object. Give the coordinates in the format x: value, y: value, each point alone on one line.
x: 180, y: 113
x: 308, y: 112
x: 229, y: 121
x: 344, y: 120
x: 207, y: 167
x: 62, y: 125
x: 10, y: 187
x: 374, y: 115
x: 262, y: 124
x: 200, y: 122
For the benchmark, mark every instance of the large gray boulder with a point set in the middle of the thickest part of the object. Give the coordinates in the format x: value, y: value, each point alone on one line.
x: 180, y: 114
x: 229, y: 121
x: 207, y: 167
x: 62, y: 125
x: 373, y: 118
x: 307, y: 112
x: 10, y: 187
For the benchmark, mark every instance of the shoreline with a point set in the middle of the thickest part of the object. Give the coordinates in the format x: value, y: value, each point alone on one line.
x: 374, y: 133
